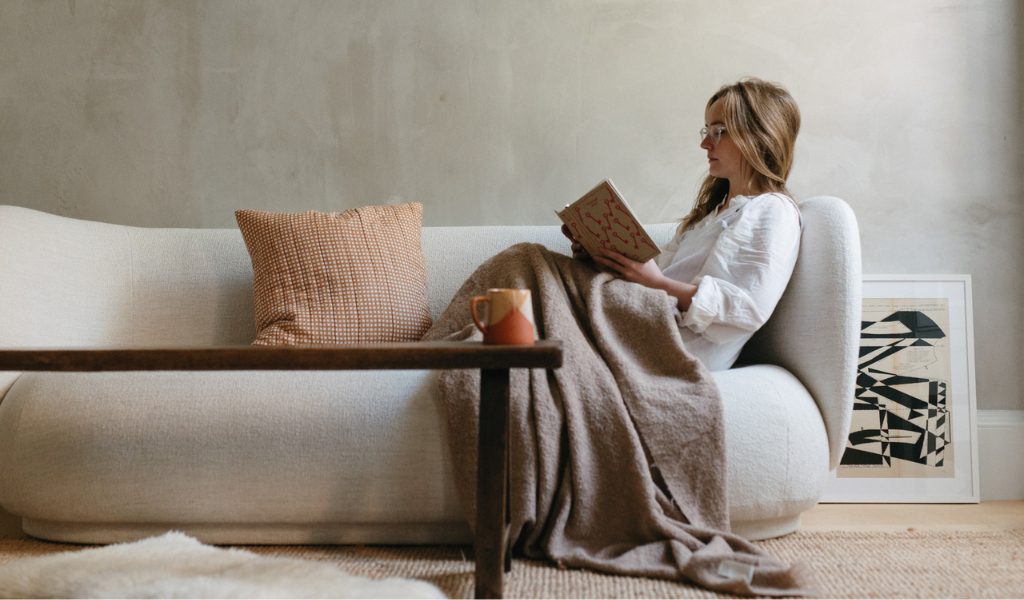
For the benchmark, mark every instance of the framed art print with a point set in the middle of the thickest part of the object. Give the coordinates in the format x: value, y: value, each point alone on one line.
x: 912, y: 436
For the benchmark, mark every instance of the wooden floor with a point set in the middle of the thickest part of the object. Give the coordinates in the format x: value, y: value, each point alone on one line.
x: 986, y: 516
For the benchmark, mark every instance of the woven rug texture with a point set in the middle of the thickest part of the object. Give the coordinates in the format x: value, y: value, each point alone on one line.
x: 848, y: 565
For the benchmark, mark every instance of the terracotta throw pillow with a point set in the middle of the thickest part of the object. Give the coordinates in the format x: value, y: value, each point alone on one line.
x: 338, y: 278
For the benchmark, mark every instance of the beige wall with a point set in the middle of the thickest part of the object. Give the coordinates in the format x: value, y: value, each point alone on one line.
x: 177, y: 113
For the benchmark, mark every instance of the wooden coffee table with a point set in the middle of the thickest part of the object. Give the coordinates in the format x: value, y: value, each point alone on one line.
x: 492, y: 511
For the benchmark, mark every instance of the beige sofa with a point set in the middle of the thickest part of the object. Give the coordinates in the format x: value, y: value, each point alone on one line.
x: 336, y: 457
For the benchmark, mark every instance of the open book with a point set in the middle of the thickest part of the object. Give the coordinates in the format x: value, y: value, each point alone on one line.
x: 602, y: 219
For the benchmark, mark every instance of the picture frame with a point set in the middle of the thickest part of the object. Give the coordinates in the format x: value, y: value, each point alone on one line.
x: 913, y: 434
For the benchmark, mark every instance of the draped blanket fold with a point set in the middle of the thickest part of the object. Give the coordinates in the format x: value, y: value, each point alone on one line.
x: 618, y: 458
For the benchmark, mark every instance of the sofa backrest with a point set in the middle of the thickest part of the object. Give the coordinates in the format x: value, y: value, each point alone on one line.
x: 72, y: 283
x: 453, y: 253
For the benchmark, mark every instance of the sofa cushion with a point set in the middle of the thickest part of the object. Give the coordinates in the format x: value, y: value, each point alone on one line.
x: 202, y: 450
x: 776, y: 445
x: 251, y: 447
x: 336, y: 278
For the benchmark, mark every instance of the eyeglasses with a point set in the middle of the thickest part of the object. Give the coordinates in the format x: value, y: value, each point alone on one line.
x: 715, y: 131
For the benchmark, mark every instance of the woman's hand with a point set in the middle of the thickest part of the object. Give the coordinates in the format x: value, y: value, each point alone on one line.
x: 646, y: 274
x: 577, y: 248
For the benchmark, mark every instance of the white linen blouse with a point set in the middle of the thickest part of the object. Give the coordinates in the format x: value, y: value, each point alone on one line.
x: 741, y: 260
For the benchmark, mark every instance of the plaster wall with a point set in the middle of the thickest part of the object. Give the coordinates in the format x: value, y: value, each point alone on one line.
x: 175, y: 114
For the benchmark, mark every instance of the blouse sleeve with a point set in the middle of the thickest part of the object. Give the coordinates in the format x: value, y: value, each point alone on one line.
x: 747, y: 271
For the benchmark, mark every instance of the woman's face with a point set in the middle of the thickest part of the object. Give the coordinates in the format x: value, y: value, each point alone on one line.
x: 724, y: 158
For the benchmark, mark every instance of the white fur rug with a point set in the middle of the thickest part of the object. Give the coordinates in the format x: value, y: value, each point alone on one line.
x: 175, y: 565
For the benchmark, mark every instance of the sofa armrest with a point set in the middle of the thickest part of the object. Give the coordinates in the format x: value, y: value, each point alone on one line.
x: 814, y: 332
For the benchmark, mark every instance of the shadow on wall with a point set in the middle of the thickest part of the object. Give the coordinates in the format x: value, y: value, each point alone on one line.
x: 1018, y: 96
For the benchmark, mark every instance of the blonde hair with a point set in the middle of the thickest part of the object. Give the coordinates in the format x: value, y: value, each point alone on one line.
x: 763, y: 120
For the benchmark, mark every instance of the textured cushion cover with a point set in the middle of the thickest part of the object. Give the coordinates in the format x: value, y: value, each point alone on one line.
x: 337, y: 278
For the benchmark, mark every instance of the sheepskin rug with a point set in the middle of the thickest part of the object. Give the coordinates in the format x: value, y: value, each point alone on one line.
x: 175, y: 565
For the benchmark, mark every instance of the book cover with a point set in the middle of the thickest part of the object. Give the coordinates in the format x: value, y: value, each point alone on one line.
x: 602, y: 219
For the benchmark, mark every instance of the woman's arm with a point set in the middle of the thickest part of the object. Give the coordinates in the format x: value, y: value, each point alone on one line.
x: 743, y: 278
x: 647, y: 274
x: 747, y: 272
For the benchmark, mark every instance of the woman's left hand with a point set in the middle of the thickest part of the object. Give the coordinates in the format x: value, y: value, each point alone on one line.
x: 645, y: 273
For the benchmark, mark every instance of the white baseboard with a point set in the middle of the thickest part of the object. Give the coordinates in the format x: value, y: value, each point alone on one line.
x: 1001, y: 454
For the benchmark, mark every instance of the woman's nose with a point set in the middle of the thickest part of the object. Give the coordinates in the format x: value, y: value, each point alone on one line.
x: 706, y: 142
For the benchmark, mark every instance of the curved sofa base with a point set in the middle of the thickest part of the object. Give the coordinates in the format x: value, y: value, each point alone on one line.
x: 286, y: 534
x: 324, y: 534
x: 766, y: 528
x: 318, y: 457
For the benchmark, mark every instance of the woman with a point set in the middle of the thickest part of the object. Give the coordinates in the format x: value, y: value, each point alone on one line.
x: 634, y: 389
x: 734, y: 253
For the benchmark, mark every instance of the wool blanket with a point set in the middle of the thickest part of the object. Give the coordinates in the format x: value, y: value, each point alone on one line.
x: 617, y: 459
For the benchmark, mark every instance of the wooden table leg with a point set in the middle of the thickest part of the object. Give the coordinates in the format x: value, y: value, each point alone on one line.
x: 492, y: 482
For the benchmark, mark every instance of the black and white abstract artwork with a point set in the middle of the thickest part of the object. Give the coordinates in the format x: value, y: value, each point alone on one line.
x: 902, y: 425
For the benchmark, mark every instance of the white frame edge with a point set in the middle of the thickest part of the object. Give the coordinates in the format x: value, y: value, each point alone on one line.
x: 975, y: 496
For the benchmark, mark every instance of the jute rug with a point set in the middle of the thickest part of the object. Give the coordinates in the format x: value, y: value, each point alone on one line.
x: 848, y: 565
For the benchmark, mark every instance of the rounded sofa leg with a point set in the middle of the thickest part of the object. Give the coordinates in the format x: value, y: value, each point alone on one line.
x: 765, y: 528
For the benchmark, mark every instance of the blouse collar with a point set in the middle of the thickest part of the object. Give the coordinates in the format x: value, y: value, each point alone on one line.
x: 735, y: 204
